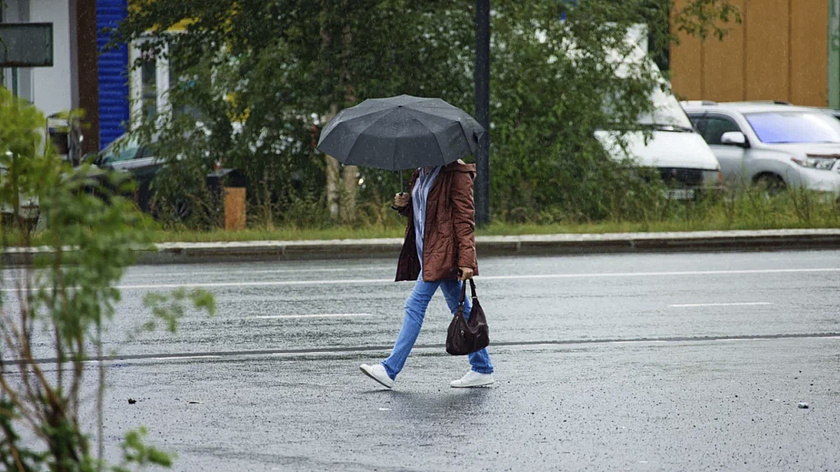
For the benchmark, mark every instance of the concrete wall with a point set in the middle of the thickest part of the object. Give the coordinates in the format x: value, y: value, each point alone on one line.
x: 17, y: 11
x: 49, y: 88
x: 52, y: 86
x: 778, y: 52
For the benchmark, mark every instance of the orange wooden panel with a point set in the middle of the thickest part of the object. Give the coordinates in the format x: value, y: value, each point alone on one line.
x: 686, y: 68
x: 234, y: 209
x: 686, y: 64
x: 809, y: 52
x: 723, y: 61
x: 767, y: 49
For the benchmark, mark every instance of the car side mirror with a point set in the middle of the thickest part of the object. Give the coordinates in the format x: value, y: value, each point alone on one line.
x: 734, y: 138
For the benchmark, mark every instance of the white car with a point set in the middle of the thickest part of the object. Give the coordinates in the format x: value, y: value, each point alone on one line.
x: 770, y: 144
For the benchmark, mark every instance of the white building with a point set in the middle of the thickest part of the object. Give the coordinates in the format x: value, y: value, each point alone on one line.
x: 71, y: 82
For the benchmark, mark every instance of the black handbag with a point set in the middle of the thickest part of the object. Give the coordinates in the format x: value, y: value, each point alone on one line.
x: 466, y: 336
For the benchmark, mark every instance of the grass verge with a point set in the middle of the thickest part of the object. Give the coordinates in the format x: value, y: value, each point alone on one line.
x: 745, y: 211
x: 751, y: 210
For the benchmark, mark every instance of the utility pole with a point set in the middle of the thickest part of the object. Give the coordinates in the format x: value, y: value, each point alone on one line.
x: 482, y: 110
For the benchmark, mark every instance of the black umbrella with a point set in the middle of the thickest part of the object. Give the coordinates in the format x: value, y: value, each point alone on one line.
x: 402, y: 132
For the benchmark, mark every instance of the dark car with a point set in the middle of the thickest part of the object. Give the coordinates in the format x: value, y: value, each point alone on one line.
x: 136, y: 159
x: 127, y: 154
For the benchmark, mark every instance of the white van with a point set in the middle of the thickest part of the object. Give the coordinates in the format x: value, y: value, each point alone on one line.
x: 683, y: 159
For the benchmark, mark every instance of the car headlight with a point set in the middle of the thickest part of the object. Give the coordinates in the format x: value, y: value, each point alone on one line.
x: 819, y: 163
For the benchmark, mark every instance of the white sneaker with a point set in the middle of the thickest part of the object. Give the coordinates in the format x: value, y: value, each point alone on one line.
x: 472, y: 379
x: 377, y: 372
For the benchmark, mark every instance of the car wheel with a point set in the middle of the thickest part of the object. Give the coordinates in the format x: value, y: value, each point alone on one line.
x: 182, y: 209
x: 770, y: 184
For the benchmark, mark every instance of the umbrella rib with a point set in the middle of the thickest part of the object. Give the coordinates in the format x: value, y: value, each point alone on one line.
x: 433, y: 115
x: 452, y: 120
x: 350, y: 151
x: 467, y: 138
x: 440, y: 148
x: 342, y: 118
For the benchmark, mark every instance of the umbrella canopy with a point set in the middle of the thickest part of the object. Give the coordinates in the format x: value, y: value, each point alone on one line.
x: 402, y: 132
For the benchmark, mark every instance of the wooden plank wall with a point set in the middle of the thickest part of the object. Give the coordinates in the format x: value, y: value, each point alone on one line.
x: 778, y: 52
x: 235, y: 215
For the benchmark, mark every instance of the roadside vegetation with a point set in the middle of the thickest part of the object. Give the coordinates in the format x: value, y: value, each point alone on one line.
x: 748, y: 209
x: 261, y: 91
x: 254, y: 95
x: 56, y: 306
x: 744, y: 209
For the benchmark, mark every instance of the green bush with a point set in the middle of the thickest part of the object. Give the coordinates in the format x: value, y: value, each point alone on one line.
x: 63, y: 296
x: 263, y: 97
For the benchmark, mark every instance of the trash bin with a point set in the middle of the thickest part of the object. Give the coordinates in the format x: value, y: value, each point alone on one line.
x: 229, y: 184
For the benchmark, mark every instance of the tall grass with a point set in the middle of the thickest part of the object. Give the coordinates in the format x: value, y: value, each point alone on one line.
x: 752, y: 208
x: 745, y: 209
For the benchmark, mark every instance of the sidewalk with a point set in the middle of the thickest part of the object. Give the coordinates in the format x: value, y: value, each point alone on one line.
x: 791, y: 239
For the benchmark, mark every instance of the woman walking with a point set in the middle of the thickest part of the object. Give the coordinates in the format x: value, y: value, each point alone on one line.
x: 438, y: 252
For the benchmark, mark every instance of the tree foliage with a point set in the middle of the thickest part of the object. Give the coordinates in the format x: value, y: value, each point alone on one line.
x: 58, y: 300
x: 263, y: 76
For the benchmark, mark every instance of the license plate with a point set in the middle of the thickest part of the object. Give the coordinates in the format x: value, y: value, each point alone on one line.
x: 681, y: 194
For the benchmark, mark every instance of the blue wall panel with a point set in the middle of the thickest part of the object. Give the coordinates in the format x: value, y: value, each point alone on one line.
x: 113, y: 73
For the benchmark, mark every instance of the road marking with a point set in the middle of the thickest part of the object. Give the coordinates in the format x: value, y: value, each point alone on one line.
x: 491, y: 277
x: 315, y: 315
x: 160, y: 358
x: 660, y: 274
x: 243, y: 284
x: 695, y: 305
x: 280, y: 283
x: 176, y: 357
x: 276, y: 283
x: 266, y: 271
x: 439, y: 348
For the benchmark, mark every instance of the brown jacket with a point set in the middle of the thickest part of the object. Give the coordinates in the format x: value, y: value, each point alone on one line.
x: 450, y: 227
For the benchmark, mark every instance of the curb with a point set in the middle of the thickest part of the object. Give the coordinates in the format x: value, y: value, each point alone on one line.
x: 527, y: 245
x: 530, y: 245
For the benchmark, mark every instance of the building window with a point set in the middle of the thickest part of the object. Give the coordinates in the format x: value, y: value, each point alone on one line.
x: 149, y: 81
x: 148, y: 85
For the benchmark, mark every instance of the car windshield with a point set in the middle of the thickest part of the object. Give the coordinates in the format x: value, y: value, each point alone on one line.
x: 120, y: 150
x: 794, y: 127
x: 667, y: 113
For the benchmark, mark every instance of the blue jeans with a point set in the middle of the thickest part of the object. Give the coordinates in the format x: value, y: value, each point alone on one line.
x: 415, y: 311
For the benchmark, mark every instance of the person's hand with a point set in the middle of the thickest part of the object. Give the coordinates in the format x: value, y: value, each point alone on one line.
x: 465, y: 273
x: 401, y: 200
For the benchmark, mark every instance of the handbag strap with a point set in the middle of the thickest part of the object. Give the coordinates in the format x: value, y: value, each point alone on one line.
x: 464, y: 294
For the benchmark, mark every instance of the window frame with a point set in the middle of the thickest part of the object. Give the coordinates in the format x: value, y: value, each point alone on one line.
x: 162, y: 82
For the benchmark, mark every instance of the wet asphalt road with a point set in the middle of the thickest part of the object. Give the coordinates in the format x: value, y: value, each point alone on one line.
x: 603, y: 362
